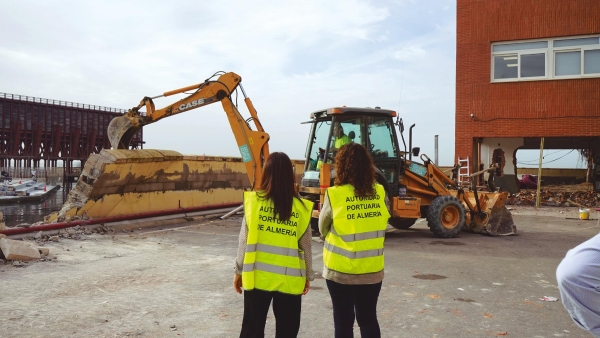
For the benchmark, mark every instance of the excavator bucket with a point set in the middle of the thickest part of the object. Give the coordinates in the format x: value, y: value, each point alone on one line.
x: 121, y: 129
x: 487, y: 213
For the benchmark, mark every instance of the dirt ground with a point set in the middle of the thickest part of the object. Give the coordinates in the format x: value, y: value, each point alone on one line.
x: 175, y: 281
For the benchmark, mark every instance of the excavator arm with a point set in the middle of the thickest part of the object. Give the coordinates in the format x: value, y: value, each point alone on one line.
x: 253, y: 144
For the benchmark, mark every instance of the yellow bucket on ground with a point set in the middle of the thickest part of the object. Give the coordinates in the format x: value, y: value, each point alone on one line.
x: 584, y: 213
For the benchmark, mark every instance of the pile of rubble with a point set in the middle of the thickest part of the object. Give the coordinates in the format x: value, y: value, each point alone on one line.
x: 20, y: 252
x: 557, y: 198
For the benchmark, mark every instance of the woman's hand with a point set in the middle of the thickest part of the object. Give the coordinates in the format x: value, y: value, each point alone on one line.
x: 306, y: 287
x: 237, y: 283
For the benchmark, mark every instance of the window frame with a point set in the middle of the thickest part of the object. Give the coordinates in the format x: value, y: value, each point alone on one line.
x: 550, y: 57
x: 568, y: 50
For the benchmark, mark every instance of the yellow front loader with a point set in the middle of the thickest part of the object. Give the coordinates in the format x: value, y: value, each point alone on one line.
x: 415, y: 190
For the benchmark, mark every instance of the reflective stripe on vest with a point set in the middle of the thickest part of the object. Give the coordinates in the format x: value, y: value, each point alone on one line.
x: 273, y: 260
x: 281, y: 270
x: 354, y: 244
x: 359, y: 237
x: 274, y: 250
x: 354, y: 254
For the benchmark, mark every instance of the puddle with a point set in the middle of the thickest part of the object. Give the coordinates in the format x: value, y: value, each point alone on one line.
x: 465, y: 300
x: 446, y: 243
x: 429, y: 277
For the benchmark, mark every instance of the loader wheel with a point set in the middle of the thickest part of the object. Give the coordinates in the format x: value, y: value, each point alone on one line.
x: 402, y: 223
x: 446, y: 216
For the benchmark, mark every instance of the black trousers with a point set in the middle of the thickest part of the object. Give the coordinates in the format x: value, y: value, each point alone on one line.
x: 355, y: 300
x: 285, y: 307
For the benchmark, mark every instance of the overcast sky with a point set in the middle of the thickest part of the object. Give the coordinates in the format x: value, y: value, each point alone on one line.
x: 294, y: 57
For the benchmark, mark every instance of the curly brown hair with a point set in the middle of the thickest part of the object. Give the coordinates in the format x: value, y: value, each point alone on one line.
x: 354, y: 166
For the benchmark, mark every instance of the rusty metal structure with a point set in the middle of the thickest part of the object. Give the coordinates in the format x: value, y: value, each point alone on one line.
x: 36, y: 132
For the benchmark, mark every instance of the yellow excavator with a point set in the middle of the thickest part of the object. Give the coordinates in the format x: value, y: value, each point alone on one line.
x: 253, y: 144
x: 124, y: 183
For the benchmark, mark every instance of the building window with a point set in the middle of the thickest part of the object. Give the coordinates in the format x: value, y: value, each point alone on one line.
x: 548, y: 59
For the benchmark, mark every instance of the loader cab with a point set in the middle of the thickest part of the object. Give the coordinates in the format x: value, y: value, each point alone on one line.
x: 334, y: 127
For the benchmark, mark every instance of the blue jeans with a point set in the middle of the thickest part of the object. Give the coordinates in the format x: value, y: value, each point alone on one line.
x: 355, y: 300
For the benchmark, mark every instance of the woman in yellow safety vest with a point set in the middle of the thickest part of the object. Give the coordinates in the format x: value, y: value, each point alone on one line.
x: 352, y: 222
x: 274, y: 260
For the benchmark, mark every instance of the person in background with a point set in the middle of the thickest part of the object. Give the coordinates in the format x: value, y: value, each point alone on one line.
x: 578, y: 277
x: 274, y: 261
x: 352, y: 222
x: 320, y: 158
x: 33, y: 172
x: 5, y: 178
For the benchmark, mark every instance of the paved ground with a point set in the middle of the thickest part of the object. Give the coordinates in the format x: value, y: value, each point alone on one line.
x: 176, y: 282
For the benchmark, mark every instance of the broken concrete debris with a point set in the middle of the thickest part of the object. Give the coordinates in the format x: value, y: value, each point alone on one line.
x: 18, y: 250
x: 44, y: 251
x: 557, y: 198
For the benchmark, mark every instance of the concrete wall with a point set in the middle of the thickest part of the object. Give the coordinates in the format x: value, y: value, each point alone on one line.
x: 124, y: 182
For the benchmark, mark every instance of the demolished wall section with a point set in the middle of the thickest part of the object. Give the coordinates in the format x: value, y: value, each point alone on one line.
x: 122, y: 182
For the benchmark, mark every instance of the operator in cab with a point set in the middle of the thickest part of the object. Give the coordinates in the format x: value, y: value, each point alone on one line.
x: 340, y: 139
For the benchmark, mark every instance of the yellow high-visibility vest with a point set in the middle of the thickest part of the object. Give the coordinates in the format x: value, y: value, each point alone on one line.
x: 354, y: 244
x: 273, y: 261
x: 341, y: 141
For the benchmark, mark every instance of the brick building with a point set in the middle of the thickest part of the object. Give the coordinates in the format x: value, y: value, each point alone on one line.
x: 526, y: 69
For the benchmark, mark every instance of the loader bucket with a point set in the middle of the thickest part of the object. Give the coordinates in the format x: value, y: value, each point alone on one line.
x: 121, y: 129
x: 493, y: 219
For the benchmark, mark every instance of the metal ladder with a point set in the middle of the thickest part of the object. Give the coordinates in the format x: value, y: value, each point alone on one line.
x: 464, y: 171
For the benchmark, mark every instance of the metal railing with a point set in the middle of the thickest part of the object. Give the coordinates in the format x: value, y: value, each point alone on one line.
x: 60, y: 103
